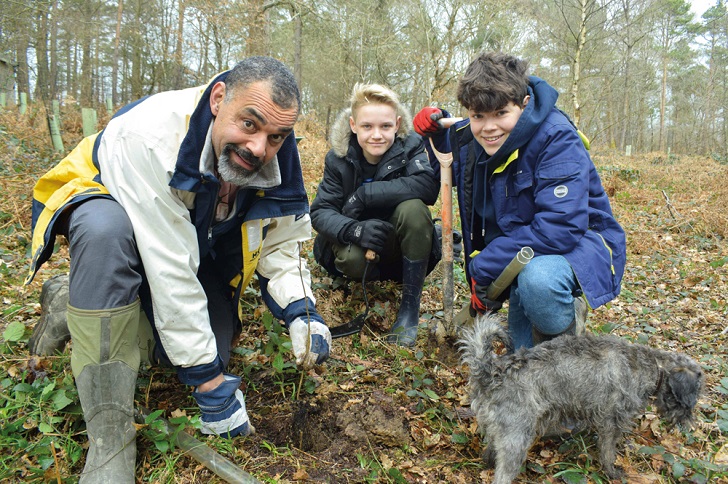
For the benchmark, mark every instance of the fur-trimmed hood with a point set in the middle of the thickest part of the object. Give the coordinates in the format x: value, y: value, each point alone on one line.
x: 341, y: 131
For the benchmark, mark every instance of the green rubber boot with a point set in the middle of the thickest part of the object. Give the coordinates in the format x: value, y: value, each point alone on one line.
x: 51, y: 334
x: 105, y: 360
x: 106, y: 392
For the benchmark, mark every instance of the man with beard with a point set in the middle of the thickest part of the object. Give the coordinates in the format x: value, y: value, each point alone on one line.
x: 169, y: 212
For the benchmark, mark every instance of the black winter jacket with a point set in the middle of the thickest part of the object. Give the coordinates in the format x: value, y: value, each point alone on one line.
x: 404, y: 173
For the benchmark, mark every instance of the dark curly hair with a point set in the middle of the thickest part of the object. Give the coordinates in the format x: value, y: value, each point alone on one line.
x: 491, y: 81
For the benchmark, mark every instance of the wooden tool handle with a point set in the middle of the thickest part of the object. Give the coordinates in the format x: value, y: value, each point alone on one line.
x: 447, y: 122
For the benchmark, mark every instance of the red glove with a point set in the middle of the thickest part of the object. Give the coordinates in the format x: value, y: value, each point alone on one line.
x: 479, y: 302
x: 426, y: 122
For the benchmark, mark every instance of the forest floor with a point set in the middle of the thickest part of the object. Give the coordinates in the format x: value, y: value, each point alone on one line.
x: 375, y: 412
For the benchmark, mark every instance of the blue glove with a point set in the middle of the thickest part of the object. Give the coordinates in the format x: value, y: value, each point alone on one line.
x: 310, y: 346
x: 223, y: 409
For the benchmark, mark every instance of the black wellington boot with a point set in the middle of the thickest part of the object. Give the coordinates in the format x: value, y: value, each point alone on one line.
x: 404, y: 330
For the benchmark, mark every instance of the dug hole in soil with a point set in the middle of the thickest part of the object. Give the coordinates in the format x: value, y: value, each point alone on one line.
x: 333, y: 427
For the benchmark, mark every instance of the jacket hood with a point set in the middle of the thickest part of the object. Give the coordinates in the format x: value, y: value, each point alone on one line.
x: 541, y: 104
x: 341, y: 131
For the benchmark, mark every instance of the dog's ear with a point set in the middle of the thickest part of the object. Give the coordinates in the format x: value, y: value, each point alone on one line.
x: 685, y: 386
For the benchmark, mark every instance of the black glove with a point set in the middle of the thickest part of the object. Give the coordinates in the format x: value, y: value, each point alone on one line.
x: 479, y: 302
x: 369, y: 234
x: 354, y: 206
x: 457, y: 246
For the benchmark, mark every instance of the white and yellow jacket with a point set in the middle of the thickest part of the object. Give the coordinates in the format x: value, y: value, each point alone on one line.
x: 155, y: 158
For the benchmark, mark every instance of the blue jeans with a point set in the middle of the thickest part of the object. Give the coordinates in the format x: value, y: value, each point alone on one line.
x: 542, y: 299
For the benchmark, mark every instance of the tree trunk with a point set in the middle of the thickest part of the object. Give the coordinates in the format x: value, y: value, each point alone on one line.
x: 257, y: 37
x: 576, y: 64
x: 115, y: 60
x: 663, y: 104
x: 178, y: 58
x: 21, y: 51
x: 86, y: 71
x: 298, y: 45
x: 137, y: 86
x: 41, y: 54
x: 53, y: 74
x: 626, y: 138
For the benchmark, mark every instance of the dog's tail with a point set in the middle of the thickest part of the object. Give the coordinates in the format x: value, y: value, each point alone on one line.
x: 476, y: 345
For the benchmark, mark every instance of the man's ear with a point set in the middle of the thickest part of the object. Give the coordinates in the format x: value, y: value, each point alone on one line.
x: 399, y: 122
x: 352, y: 124
x: 525, y: 100
x: 217, y: 95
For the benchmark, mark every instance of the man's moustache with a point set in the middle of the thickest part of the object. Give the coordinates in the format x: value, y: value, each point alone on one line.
x: 247, y: 156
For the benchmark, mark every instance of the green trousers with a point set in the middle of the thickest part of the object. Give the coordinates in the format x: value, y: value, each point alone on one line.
x: 412, y: 238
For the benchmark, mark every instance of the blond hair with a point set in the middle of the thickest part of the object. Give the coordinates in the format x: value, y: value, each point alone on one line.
x: 373, y: 94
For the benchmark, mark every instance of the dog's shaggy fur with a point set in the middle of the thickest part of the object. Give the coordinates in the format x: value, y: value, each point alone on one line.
x: 598, y: 382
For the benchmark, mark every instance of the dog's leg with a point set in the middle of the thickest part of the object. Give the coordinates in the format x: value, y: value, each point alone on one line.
x: 489, y: 457
x: 609, y: 435
x: 511, y: 450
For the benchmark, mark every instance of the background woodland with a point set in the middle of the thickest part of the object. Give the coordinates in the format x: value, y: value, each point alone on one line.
x: 643, y: 74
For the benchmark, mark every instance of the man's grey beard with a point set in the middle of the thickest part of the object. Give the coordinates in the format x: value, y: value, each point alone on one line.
x: 233, y: 173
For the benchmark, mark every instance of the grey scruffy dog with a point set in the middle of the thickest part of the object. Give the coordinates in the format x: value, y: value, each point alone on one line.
x: 598, y: 382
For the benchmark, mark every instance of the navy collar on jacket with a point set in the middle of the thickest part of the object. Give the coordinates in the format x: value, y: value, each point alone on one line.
x: 187, y: 174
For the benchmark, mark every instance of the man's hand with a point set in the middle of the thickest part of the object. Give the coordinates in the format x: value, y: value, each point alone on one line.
x: 223, y: 409
x: 354, y: 206
x: 311, y: 342
x: 426, y: 122
x: 479, y: 302
x: 369, y: 234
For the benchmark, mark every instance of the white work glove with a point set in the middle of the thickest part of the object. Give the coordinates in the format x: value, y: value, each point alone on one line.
x: 309, y: 351
x: 223, y: 409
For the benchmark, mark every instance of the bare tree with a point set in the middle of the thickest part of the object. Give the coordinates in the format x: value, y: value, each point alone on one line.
x: 631, y: 28
x: 673, y: 22
x: 115, y: 58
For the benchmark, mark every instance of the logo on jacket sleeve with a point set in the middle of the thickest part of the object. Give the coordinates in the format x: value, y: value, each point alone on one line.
x: 561, y: 191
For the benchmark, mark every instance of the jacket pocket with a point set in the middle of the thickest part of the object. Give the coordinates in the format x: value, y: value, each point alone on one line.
x: 521, y: 182
x: 559, y: 170
x: 515, y: 206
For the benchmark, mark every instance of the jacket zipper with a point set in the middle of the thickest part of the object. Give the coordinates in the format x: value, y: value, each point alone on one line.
x: 212, y: 214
